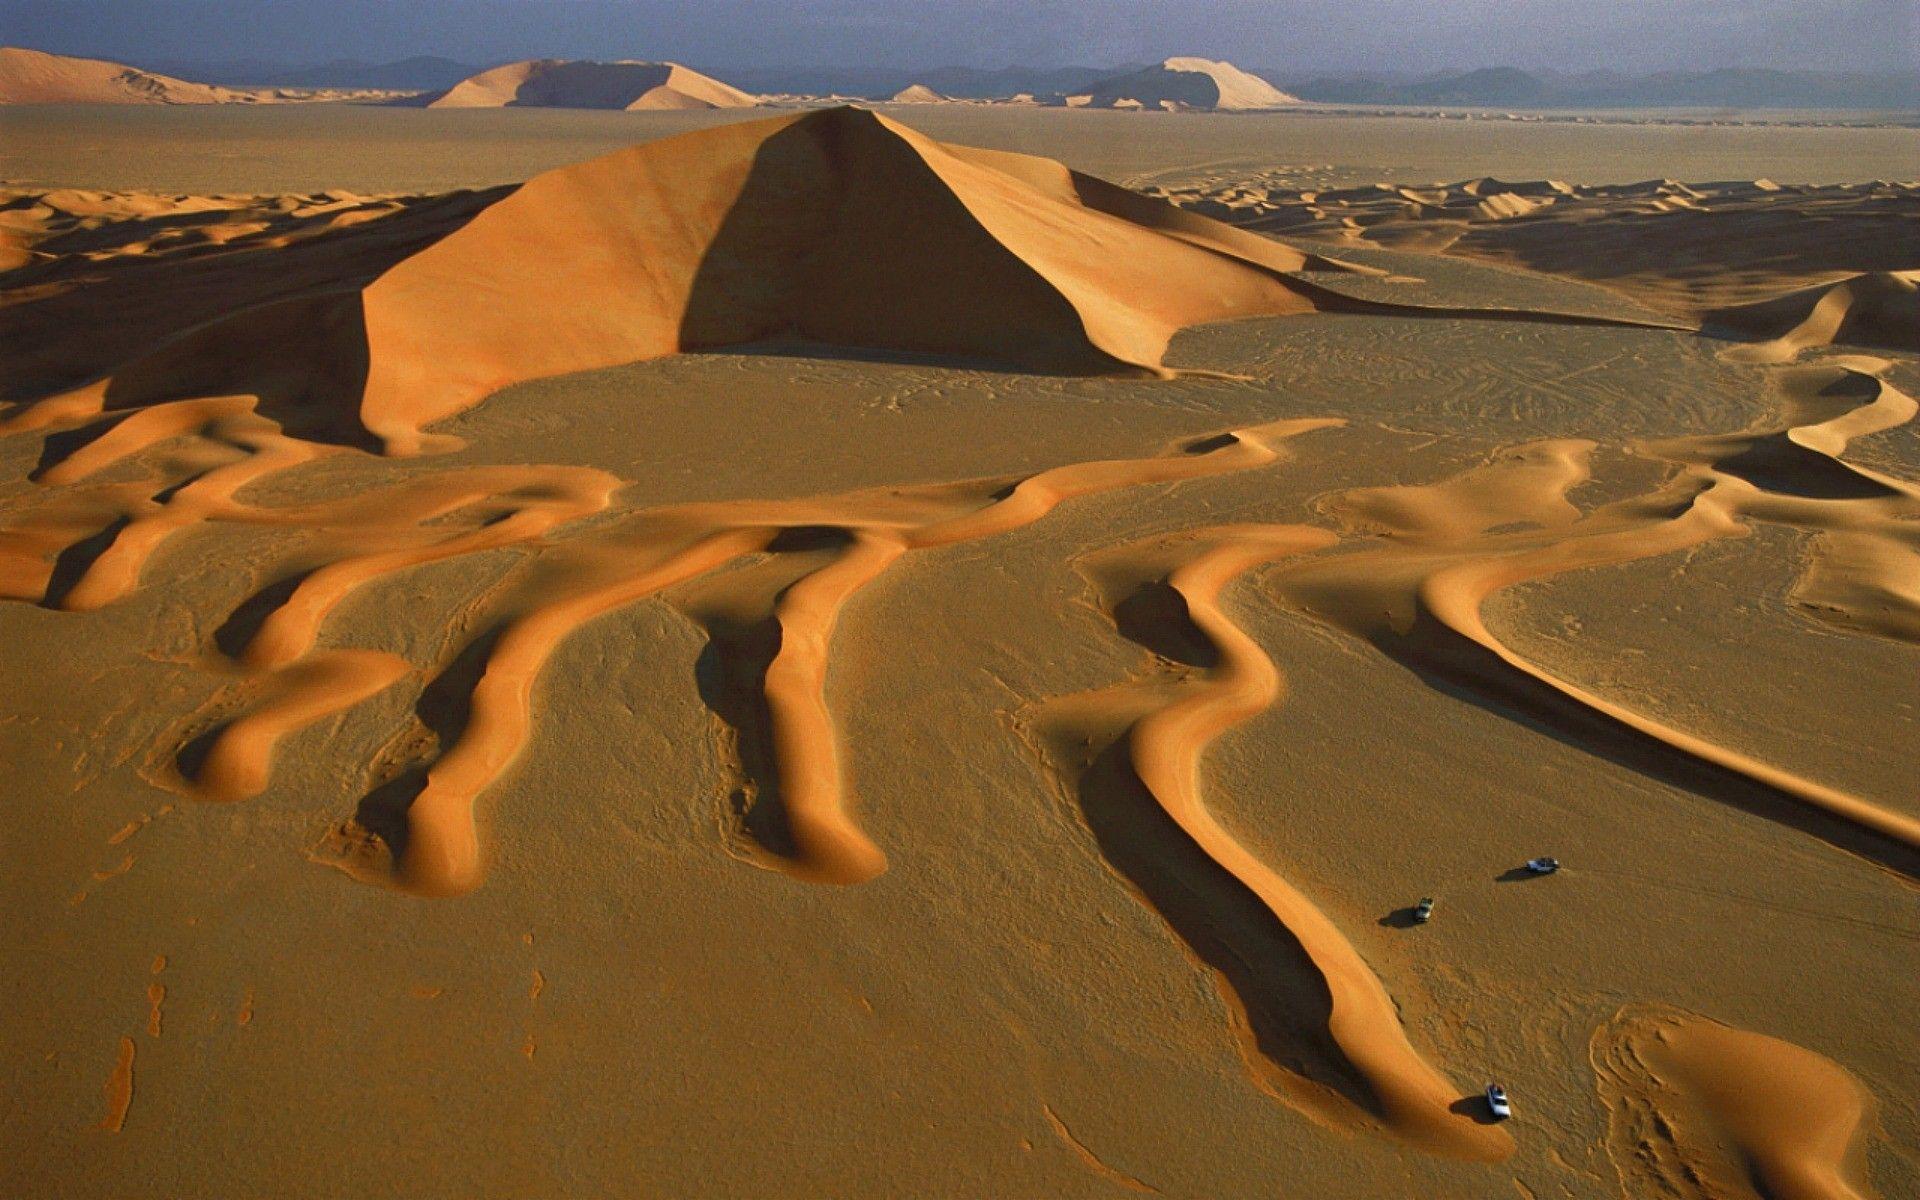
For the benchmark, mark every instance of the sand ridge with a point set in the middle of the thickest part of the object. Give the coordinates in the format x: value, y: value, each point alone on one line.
x: 443, y: 853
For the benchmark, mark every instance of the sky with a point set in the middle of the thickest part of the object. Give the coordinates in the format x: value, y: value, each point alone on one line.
x: 1295, y: 35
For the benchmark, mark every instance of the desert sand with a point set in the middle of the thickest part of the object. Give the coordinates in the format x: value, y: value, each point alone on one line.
x: 807, y: 658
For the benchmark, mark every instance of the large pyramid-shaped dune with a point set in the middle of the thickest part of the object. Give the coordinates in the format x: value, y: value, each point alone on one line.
x: 836, y: 226
x: 1188, y: 83
x: 559, y: 83
x: 32, y: 77
x: 918, y: 93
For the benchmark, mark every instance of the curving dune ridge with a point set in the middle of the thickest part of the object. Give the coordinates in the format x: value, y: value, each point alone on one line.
x: 1877, y: 309
x: 1366, y: 1071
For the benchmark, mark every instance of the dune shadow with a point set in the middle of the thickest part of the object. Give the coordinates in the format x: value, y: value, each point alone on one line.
x: 731, y: 676
x: 191, y: 758
x: 1283, y: 997
x: 1155, y: 617
x: 1461, y: 668
x: 62, y: 341
x: 306, y: 360
x: 1399, y: 918
x: 1775, y: 464
x: 58, y: 445
x: 814, y: 254
x: 443, y: 708
x: 71, y: 565
x: 245, y: 621
x: 1475, y: 1109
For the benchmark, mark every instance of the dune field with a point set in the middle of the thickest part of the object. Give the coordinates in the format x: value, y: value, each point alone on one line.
x: 819, y: 656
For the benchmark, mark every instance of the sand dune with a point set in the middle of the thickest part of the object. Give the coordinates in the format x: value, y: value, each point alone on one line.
x: 1881, y: 309
x: 1090, y: 703
x: 34, y: 77
x: 1182, y: 83
x: 1701, y: 1109
x: 918, y: 93
x: 563, y: 83
x: 1424, y: 603
x: 705, y: 248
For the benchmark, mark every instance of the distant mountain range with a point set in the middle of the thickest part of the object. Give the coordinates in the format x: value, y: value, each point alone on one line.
x: 1509, y: 87
x: 962, y: 83
x: 423, y: 73
x: 1486, y: 87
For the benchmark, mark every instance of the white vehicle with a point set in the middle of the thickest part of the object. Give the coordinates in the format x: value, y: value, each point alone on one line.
x: 1543, y: 866
x: 1497, y: 1102
x: 1423, y: 911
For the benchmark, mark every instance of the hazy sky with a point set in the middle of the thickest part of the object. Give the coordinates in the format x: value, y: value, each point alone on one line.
x: 1292, y: 34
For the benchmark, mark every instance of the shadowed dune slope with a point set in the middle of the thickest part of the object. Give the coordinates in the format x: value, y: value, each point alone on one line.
x: 1881, y: 308
x: 836, y: 226
x: 559, y: 83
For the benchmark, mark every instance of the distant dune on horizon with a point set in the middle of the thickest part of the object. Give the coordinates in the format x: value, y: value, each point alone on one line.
x: 563, y: 83
x: 1185, y: 83
x: 35, y: 77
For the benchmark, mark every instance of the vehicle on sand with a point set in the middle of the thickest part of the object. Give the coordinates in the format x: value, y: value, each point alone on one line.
x: 1497, y: 1102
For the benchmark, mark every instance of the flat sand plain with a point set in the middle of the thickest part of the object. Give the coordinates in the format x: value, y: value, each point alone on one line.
x: 699, y: 676
x: 372, y: 149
